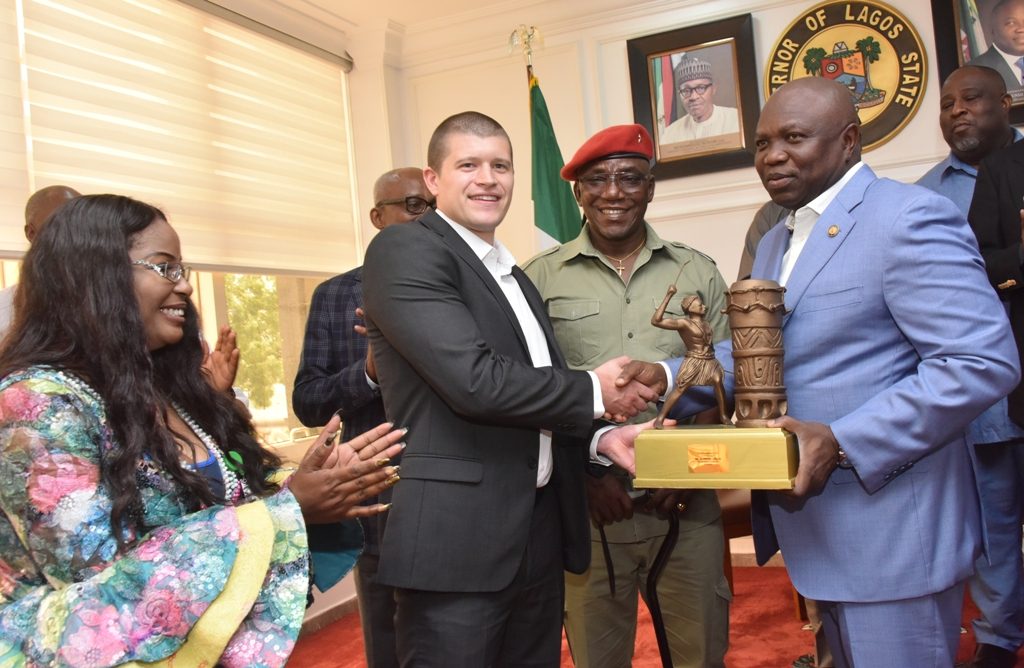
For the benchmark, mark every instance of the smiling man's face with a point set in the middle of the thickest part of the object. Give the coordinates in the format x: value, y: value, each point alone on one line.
x: 474, y: 183
x: 615, y: 210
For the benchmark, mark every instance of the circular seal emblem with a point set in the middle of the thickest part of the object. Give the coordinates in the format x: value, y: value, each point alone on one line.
x: 868, y: 47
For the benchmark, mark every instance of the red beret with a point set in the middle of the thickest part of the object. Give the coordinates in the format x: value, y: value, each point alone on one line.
x: 618, y: 141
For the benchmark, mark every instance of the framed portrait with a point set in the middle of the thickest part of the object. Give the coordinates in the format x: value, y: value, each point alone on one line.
x: 695, y: 90
x: 983, y: 32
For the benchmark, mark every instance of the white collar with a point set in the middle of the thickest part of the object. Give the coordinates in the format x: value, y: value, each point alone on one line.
x: 498, y: 254
x: 821, y: 202
x: 802, y: 220
x: 1010, y: 59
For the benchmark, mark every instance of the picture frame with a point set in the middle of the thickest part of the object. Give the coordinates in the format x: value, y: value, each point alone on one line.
x: 706, y: 71
x: 963, y: 35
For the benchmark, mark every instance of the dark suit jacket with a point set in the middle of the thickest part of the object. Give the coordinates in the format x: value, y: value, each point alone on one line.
x: 994, y: 60
x: 768, y: 216
x: 995, y: 219
x: 454, y: 368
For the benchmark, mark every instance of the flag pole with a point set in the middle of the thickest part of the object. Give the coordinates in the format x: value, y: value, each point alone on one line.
x: 555, y: 213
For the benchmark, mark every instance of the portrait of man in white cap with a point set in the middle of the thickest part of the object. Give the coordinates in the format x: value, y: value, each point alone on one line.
x: 695, y: 87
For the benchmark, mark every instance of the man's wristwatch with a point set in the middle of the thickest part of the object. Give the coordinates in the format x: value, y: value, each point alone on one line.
x: 842, y: 461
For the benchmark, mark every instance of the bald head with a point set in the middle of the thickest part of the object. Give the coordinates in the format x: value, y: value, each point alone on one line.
x: 41, y: 205
x: 980, y: 75
x: 807, y: 138
x: 974, y: 112
x: 399, y: 196
x: 832, y: 101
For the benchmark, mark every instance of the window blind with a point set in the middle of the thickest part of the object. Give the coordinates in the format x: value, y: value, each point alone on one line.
x: 242, y: 140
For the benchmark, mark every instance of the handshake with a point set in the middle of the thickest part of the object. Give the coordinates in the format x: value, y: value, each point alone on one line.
x: 628, y: 386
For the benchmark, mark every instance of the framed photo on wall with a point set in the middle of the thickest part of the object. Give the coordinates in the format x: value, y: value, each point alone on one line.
x: 695, y: 90
x: 983, y: 32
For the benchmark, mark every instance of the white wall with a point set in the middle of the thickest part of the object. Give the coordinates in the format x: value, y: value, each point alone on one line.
x: 464, y: 62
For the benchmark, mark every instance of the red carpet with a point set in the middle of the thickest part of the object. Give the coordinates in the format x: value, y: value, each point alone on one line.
x: 764, y: 631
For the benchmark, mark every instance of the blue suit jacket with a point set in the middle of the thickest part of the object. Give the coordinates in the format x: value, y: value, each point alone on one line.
x: 894, y: 338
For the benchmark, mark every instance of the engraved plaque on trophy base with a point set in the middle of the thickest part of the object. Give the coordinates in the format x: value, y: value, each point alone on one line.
x: 716, y: 457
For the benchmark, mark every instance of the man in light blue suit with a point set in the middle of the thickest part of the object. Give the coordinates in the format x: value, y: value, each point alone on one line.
x: 894, y: 342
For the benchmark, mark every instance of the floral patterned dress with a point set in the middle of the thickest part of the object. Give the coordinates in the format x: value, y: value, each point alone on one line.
x: 223, y: 585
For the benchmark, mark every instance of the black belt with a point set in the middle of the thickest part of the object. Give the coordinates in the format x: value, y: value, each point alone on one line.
x: 660, y: 561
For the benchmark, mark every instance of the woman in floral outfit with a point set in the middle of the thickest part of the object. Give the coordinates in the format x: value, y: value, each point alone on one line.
x: 138, y: 518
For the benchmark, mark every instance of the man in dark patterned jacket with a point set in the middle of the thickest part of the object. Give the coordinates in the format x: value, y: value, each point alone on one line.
x: 336, y: 374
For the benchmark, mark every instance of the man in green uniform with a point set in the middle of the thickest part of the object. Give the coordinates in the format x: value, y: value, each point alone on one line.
x: 601, y: 290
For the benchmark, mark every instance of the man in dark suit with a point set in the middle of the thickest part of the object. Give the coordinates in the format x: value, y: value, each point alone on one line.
x: 1006, y: 55
x: 995, y: 216
x: 336, y: 375
x: 491, y: 509
x: 997, y: 220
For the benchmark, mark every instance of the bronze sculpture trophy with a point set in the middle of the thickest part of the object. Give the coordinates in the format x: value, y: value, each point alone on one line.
x: 748, y: 455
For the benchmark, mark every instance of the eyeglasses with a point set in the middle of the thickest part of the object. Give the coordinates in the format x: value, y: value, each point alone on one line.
x: 413, y: 204
x: 690, y: 91
x: 172, y: 271
x: 629, y: 182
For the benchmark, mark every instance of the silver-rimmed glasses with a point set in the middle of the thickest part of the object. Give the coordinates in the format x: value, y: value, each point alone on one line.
x: 172, y: 271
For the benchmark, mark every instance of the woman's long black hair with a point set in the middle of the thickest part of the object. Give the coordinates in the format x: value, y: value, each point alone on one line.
x: 76, y: 310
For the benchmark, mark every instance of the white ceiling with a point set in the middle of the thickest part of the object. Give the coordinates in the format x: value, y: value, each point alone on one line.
x: 329, y: 24
x: 409, y: 13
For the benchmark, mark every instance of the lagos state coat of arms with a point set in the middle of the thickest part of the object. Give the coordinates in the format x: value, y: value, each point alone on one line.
x: 868, y: 47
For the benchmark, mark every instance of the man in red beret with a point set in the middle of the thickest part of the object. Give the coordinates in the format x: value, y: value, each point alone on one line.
x: 600, y: 290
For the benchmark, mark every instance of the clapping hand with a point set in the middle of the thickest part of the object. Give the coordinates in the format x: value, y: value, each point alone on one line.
x: 333, y: 479
x: 221, y: 363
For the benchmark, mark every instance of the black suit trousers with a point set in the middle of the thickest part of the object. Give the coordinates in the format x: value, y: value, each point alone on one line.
x: 518, y: 626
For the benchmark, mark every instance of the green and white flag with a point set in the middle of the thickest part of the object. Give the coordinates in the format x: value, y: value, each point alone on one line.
x: 555, y: 213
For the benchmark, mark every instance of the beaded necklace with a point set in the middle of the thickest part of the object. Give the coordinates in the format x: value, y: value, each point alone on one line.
x: 79, y: 384
x: 235, y: 486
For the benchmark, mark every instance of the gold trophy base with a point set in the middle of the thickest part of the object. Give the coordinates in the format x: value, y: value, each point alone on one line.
x: 716, y: 457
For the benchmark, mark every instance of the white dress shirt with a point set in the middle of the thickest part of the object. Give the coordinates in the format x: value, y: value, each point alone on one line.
x: 801, y: 222
x: 1013, y: 62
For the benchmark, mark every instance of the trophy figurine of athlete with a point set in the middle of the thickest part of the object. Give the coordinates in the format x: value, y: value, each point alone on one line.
x: 699, y: 366
x: 749, y: 454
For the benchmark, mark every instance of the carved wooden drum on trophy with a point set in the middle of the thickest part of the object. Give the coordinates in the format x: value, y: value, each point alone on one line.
x: 755, y: 309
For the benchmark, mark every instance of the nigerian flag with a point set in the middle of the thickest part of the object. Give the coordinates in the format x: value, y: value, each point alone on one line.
x: 555, y: 213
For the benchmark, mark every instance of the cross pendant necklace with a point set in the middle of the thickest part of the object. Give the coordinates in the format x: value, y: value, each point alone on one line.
x: 621, y: 261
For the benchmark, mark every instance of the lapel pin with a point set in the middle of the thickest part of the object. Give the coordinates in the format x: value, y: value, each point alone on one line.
x: 833, y: 230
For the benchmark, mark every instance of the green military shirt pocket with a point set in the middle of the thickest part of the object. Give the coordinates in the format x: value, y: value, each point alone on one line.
x: 576, y: 330
x: 669, y: 341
